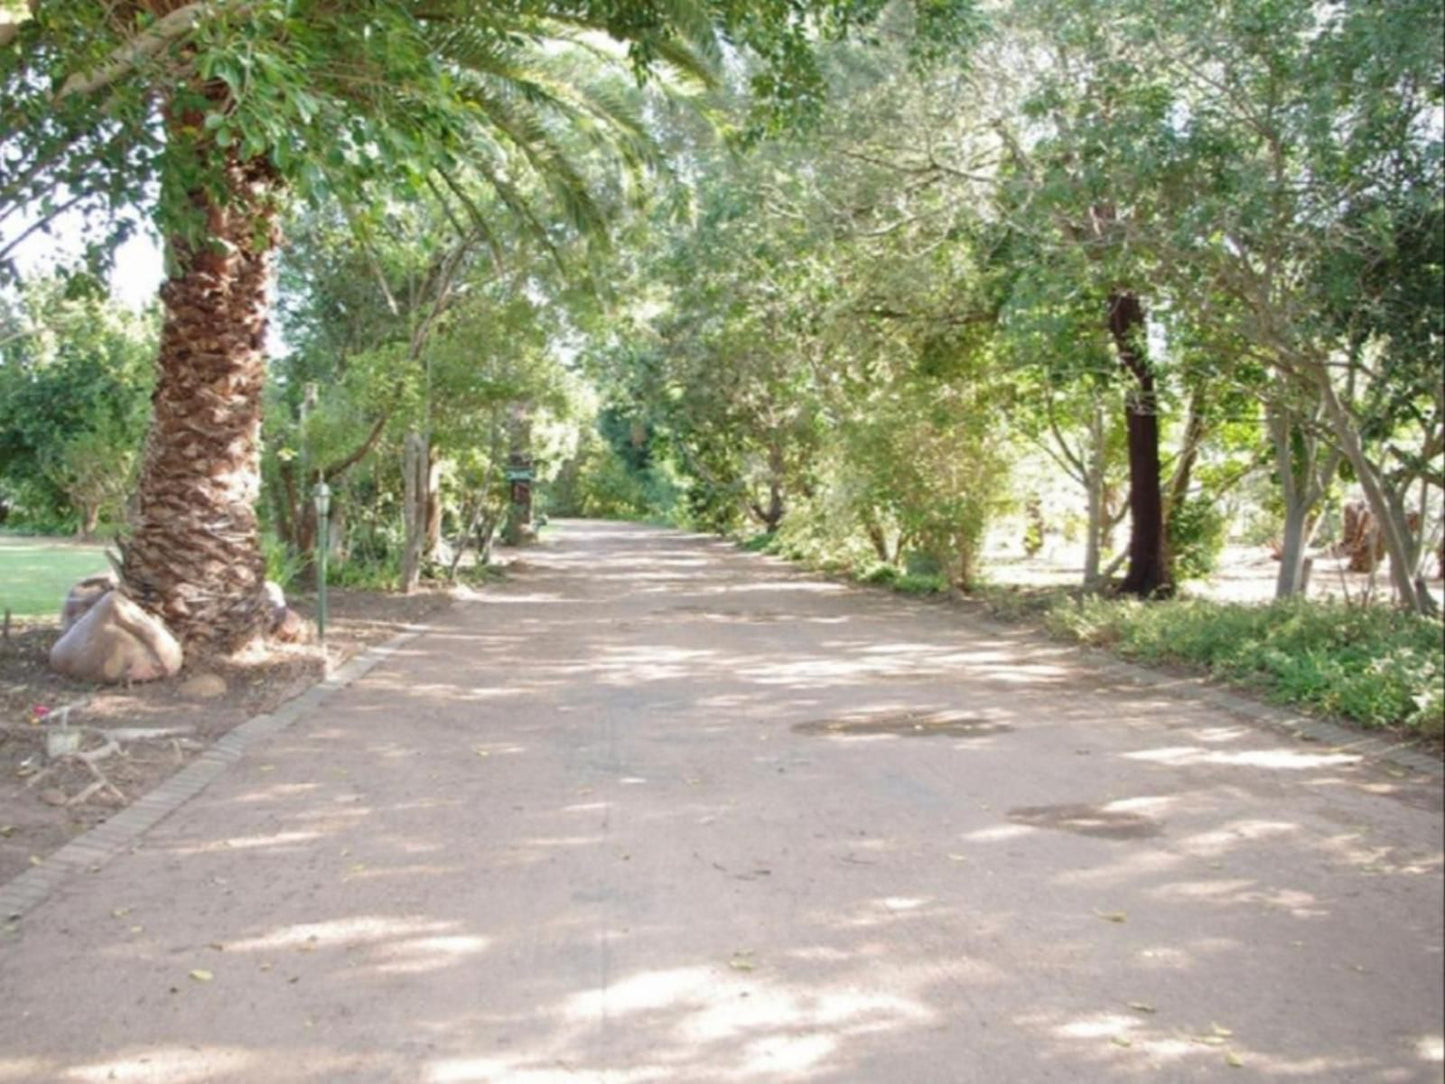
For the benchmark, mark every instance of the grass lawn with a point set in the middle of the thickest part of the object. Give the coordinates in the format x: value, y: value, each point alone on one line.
x: 35, y: 573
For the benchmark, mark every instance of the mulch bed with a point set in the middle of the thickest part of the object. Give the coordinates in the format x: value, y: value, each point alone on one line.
x: 44, y: 802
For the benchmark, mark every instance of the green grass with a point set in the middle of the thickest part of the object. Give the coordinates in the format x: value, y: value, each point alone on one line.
x: 1376, y: 666
x: 36, y: 573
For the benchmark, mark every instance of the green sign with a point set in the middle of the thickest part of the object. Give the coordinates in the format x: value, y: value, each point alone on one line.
x: 519, y: 474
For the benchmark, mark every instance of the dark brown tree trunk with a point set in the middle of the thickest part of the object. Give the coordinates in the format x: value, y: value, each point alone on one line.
x: 1148, y: 572
x: 194, y: 556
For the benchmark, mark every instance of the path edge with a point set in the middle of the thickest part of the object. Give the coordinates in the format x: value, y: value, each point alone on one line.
x: 95, y: 847
x: 1327, y: 735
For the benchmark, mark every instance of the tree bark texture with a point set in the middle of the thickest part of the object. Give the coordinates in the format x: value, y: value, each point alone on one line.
x: 1094, y: 469
x: 1148, y: 572
x: 414, y: 492
x: 1387, y: 507
x: 194, y: 556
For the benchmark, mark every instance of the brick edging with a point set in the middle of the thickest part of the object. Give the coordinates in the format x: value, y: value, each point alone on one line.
x: 92, y: 849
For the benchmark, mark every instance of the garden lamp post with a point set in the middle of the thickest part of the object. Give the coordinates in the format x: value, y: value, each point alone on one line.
x: 322, y: 495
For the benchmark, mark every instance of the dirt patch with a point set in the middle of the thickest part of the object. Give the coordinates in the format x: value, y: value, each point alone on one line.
x: 906, y: 724
x: 1087, y: 820
x: 158, y: 727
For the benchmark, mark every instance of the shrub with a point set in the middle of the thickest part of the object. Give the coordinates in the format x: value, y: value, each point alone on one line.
x: 920, y: 583
x: 881, y: 574
x: 1378, y: 667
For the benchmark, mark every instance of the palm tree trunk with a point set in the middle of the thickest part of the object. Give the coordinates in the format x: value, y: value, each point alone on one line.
x: 194, y: 557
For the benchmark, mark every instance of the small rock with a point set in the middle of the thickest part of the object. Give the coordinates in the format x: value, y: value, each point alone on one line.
x: 83, y: 596
x: 53, y: 796
x: 203, y: 686
x: 292, y: 629
x: 117, y: 641
x: 275, y: 601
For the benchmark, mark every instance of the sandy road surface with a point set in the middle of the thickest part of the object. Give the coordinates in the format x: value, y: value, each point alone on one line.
x: 658, y: 811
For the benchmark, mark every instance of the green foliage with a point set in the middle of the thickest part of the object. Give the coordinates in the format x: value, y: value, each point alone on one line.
x: 283, y: 565
x: 1197, y: 533
x: 762, y: 542
x: 75, y: 380
x: 920, y: 583
x: 1376, y: 666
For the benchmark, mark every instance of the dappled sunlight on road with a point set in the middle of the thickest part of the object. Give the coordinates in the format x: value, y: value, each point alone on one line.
x: 654, y: 811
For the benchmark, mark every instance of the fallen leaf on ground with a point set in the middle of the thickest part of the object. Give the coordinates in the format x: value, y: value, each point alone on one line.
x: 1219, y: 1030
x: 200, y: 974
x: 1112, y: 916
x: 1233, y: 1060
x: 958, y: 858
x: 1142, y: 1006
x: 6, y: 831
x: 740, y: 961
x: 120, y: 912
x: 1119, y: 1040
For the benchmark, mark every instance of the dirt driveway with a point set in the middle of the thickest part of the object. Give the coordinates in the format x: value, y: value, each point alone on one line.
x: 658, y: 812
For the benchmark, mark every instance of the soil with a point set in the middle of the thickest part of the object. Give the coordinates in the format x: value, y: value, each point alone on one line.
x: 44, y: 803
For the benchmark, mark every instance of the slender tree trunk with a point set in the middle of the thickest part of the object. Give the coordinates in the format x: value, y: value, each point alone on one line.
x: 1148, y: 573
x: 1094, y: 486
x: 194, y: 556
x: 1389, y: 514
x: 433, y: 505
x: 1303, y: 480
x: 877, y: 538
x: 413, y: 508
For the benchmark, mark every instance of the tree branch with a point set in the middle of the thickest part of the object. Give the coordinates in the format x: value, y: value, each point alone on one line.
x: 156, y: 37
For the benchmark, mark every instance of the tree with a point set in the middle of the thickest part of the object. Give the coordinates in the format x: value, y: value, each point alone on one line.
x: 74, y: 383
x: 233, y: 109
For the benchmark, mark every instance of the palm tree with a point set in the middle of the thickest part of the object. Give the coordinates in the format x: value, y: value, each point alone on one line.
x: 233, y: 109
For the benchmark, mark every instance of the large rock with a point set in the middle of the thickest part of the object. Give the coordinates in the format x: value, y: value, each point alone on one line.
x: 83, y: 596
x: 117, y: 641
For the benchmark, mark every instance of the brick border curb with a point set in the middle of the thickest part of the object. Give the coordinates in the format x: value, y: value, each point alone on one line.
x: 91, y: 850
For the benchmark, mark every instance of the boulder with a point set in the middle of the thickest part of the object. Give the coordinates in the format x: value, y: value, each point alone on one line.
x: 83, y: 596
x: 117, y: 641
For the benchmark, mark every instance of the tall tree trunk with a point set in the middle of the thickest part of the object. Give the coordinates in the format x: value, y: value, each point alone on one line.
x: 413, y: 508
x: 1094, y: 470
x: 1148, y: 573
x: 1304, y: 478
x: 1388, y: 508
x: 194, y: 556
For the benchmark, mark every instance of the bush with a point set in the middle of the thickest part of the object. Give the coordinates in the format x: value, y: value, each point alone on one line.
x: 920, y: 583
x: 282, y: 565
x: 882, y: 575
x: 1378, y: 667
x: 1197, y: 533
x: 762, y: 542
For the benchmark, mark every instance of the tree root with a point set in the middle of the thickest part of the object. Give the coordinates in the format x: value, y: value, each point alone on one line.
x: 101, y: 783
